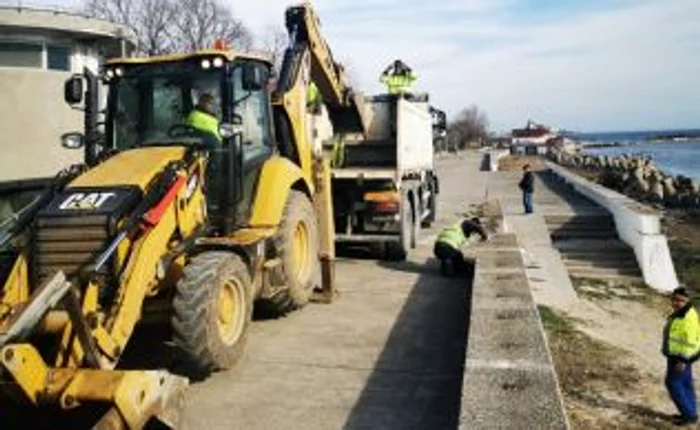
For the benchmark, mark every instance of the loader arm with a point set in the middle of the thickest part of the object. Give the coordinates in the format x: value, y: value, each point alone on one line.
x: 308, y: 59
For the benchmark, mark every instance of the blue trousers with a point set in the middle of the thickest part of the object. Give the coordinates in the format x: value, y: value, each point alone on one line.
x: 680, y: 388
x: 527, y: 202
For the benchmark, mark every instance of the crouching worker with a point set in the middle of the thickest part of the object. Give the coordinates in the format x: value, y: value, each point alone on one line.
x: 449, y: 243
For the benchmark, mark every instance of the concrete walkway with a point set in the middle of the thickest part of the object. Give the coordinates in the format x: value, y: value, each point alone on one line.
x: 402, y: 348
x: 389, y: 354
x: 546, y: 272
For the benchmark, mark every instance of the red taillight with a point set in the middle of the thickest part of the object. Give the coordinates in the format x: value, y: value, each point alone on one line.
x: 389, y: 206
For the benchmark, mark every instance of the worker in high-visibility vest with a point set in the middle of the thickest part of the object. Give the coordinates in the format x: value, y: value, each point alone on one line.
x: 681, y: 346
x: 314, y: 100
x: 203, y: 116
x: 398, y: 78
x: 449, y: 243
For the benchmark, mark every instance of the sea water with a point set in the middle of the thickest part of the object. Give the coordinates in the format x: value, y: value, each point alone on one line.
x: 676, y: 158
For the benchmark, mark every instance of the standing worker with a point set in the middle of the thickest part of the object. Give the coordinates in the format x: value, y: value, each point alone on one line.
x: 398, y: 78
x: 448, y: 245
x: 527, y: 186
x: 681, y: 346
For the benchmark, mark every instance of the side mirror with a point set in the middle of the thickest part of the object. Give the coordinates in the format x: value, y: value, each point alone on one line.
x: 253, y: 78
x: 72, y: 140
x: 73, y: 90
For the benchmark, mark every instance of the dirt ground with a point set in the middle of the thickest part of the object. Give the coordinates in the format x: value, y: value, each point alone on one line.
x: 682, y: 230
x: 606, y: 351
x: 514, y: 163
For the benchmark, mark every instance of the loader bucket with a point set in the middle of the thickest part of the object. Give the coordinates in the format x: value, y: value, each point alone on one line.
x: 134, y: 397
x: 350, y: 118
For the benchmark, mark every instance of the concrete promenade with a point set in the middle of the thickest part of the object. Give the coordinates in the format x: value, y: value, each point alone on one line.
x: 391, y: 352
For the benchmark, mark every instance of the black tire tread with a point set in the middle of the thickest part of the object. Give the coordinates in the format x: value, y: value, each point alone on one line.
x: 193, y: 333
x: 294, y: 296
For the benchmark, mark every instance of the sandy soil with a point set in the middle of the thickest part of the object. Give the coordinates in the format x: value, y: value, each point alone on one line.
x: 606, y: 350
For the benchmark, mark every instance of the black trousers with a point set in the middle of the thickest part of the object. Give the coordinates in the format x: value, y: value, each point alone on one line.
x: 451, y: 260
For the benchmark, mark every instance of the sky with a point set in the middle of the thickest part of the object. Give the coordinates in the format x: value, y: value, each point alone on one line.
x: 584, y: 65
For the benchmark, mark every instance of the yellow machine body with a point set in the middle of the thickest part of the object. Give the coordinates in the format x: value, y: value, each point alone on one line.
x: 89, y: 333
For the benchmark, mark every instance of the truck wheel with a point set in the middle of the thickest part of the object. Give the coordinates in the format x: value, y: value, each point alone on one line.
x: 432, y: 206
x: 296, y: 244
x: 415, y: 224
x: 398, y: 251
x: 212, y: 312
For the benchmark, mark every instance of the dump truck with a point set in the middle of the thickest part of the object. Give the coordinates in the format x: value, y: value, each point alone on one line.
x: 385, y: 187
x: 169, y: 223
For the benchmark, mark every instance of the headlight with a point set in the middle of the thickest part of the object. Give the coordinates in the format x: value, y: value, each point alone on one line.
x: 206, y: 64
x: 119, y: 72
x: 218, y: 62
x: 109, y: 73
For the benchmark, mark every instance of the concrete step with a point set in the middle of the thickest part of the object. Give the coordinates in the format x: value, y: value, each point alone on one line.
x: 601, y: 263
x: 608, y: 276
x: 577, y: 218
x: 591, y: 245
x: 587, y: 227
x: 598, y: 272
x: 598, y: 253
x: 576, y: 234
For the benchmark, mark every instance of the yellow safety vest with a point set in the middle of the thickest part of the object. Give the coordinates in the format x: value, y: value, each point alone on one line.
x: 452, y: 236
x: 682, y: 336
x: 398, y: 84
x: 204, y: 122
x: 313, y: 97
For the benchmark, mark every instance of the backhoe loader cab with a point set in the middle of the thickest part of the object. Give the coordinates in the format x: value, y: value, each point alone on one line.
x: 150, y: 103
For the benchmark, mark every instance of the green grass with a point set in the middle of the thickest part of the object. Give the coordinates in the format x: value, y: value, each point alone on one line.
x: 553, y: 322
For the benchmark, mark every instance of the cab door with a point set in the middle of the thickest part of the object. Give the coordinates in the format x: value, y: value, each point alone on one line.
x: 251, y: 105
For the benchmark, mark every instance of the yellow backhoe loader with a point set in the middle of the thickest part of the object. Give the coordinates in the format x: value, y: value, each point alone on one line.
x: 167, y: 221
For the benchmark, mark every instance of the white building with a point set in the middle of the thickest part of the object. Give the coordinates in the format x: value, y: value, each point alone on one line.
x: 39, y: 50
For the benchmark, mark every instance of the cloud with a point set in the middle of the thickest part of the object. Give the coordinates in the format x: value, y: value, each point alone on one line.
x: 582, y: 65
x: 579, y: 64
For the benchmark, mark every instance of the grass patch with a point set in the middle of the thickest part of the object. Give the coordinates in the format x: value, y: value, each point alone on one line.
x: 597, y: 289
x: 553, y: 322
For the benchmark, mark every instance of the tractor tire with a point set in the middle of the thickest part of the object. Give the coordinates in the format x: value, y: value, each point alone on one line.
x: 212, y: 312
x: 296, y: 245
x: 398, y: 250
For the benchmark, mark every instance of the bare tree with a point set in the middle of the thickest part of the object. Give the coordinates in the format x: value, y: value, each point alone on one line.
x: 273, y: 44
x: 149, y: 20
x: 469, y: 127
x: 200, y: 22
x: 163, y: 26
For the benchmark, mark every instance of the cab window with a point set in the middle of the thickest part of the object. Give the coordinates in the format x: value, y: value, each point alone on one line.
x: 254, y: 109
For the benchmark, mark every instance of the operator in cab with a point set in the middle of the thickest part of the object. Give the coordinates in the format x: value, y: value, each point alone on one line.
x: 449, y: 243
x: 203, y: 117
x: 398, y: 78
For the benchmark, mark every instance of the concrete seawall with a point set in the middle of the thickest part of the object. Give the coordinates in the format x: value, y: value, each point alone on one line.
x: 637, y: 225
x: 509, y: 379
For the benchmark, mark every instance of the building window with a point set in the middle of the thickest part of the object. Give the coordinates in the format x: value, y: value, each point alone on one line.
x: 58, y: 57
x: 13, y: 54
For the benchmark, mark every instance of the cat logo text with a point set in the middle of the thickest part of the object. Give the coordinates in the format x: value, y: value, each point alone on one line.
x: 85, y: 201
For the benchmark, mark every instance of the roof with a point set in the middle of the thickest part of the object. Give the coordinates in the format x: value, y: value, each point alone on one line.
x: 228, y: 55
x: 73, y: 24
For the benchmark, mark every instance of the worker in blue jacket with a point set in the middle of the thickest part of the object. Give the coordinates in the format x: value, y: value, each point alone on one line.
x: 681, y: 346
